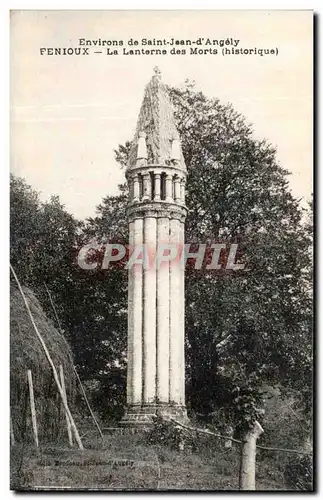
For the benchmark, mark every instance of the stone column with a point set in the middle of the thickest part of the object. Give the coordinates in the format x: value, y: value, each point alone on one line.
x: 175, y: 314
x: 177, y: 189
x: 169, y: 188
x: 136, y: 192
x: 162, y: 316
x: 182, y: 318
x: 149, y: 315
x: 146, y: 187
x: 183, y: 182
x: 130, y: 321
x: 137, y: 277
x: 157, y: 187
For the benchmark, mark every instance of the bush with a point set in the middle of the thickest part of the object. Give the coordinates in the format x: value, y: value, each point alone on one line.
x: 299, y: 473
x: 285, y: 422
x: 170, y: 435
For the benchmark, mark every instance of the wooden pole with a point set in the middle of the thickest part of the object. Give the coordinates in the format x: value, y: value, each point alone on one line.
x: 68, y: 422
x: 32, y: 407
x: 12, y: 434
x: 74, y: 428
x: 247, y: 478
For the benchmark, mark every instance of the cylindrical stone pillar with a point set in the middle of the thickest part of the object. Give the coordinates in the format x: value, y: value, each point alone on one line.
x: 169, y: 187
x: 146, y: 187
x: 175, y: 300
x: 182, y: 316
x: 136, y: 188
x: 157, y: 187
x: 137, y: 277
x: 177, y: 189
x: 162, y: 316
x: 183, y: 182
x: 130, y: 321
x: 149, y: 314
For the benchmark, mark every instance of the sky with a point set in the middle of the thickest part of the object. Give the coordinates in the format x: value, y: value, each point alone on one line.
x: 69, y: 113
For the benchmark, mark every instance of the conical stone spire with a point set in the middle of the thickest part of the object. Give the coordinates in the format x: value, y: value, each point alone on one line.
x: 156, y: 120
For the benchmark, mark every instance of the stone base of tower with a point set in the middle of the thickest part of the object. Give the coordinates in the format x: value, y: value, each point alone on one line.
x: 143, y: 415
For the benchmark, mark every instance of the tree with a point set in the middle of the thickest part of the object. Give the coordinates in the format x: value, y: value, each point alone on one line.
x: 44, y: 238
x: 258, y: 320
x: 96, y: 322
x: 252, y: 325
x: 24, y: 217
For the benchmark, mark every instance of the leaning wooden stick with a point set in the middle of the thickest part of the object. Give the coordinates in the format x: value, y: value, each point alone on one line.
x: 74, y: 428
x: 12, y: 434
x: 32, y: 407
x: 68, y: 422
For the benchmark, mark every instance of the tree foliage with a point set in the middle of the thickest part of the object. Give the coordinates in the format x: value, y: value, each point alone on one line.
x: 252, y: 326
x: 243, y: 328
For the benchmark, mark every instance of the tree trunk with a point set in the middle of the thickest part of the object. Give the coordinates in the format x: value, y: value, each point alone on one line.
x: 247, y: 479
x: 12, y: 434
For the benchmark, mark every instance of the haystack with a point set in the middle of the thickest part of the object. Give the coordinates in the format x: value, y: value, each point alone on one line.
x: 26, y: 353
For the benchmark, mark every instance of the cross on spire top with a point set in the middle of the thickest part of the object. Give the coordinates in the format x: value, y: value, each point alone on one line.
x: 157, y: 72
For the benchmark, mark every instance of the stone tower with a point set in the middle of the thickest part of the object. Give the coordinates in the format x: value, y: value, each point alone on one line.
x: 156, y: 176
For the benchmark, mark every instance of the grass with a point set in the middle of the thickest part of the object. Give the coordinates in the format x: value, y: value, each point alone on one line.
x: 128, y: 462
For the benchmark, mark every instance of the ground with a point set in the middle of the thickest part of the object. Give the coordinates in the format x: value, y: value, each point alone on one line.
x: 129, y: 462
